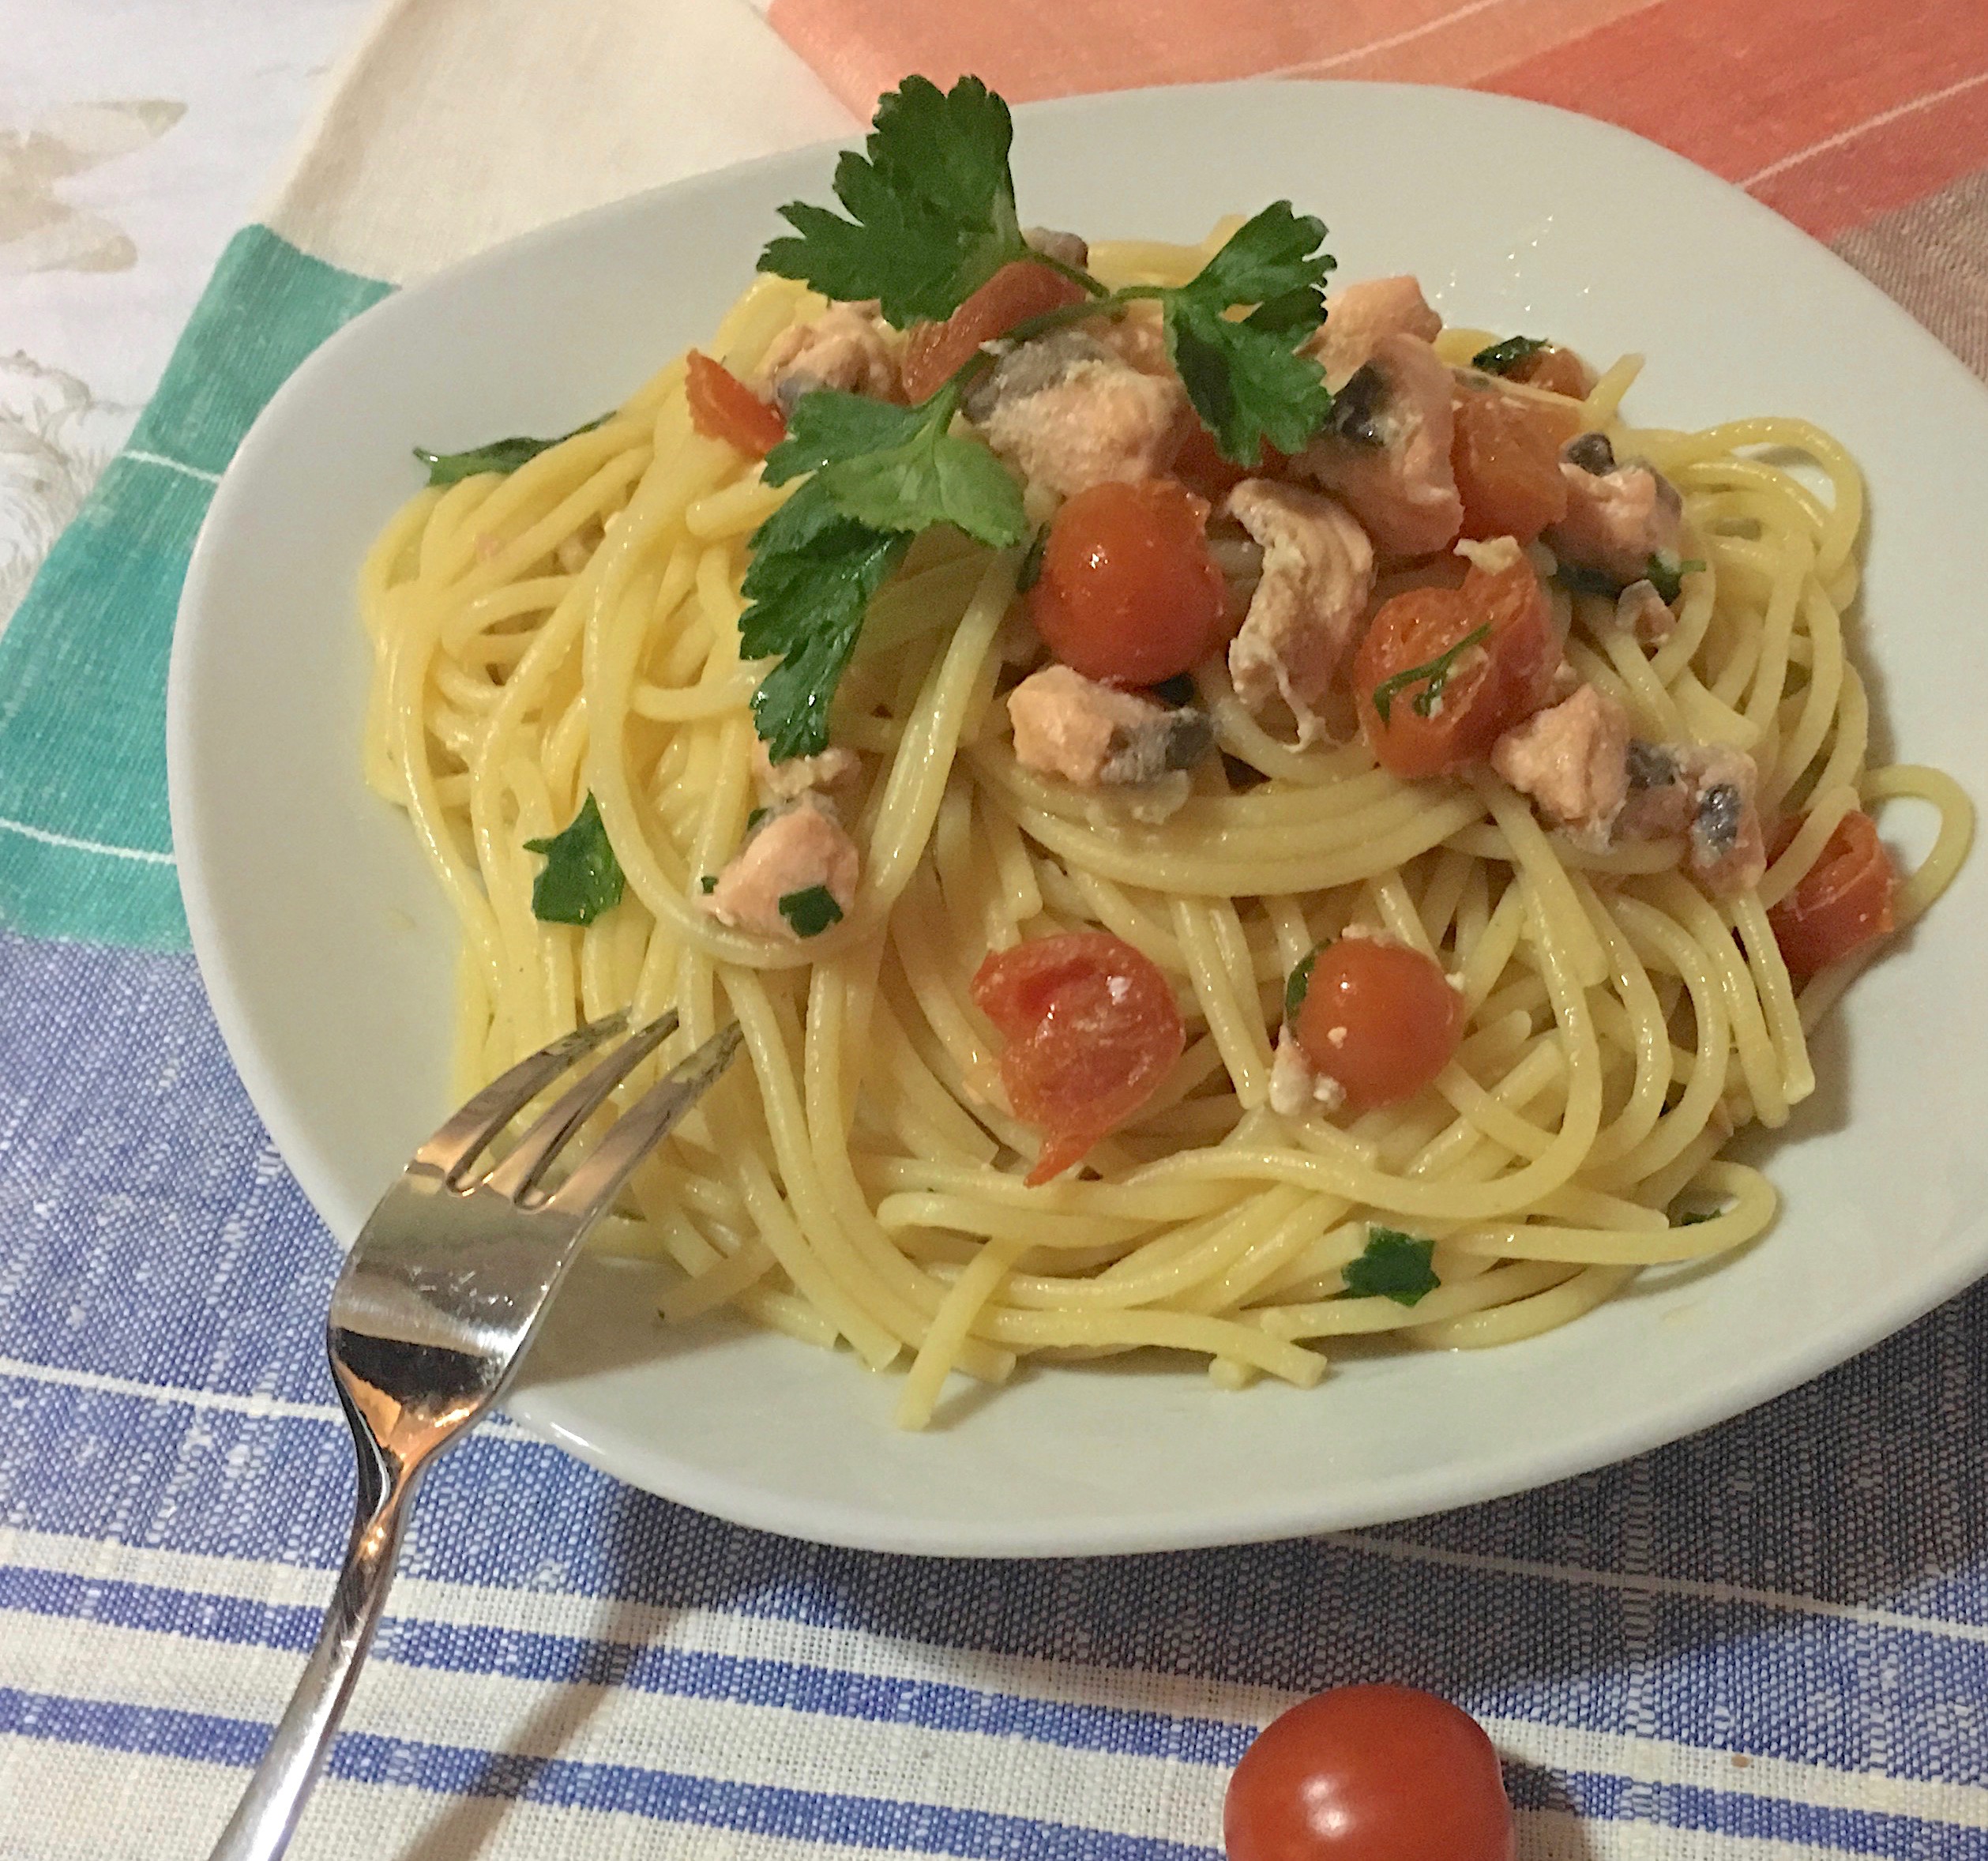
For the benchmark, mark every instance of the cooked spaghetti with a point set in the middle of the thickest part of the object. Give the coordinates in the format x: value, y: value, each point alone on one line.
x: 571, y: 629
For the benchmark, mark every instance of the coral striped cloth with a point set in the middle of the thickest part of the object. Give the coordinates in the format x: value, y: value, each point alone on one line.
x: 1769, y: 1643
x: 1866, y: 122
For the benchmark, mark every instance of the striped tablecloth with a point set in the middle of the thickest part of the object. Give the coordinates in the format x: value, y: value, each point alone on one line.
x: 1768, y: 1641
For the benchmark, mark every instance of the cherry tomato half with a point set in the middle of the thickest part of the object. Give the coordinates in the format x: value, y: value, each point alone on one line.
x: 1091, y: 1028
x: 1558, y: 370
x: 722, y: 407
x: 1843, y: 901
x: 1380, y: 1018
x: 1127, y: 593
x: 935, y: 352
x: 1506, y: 457
x: 1369, y: 1773
x: 1436, y: 725
x: 1199, y: 465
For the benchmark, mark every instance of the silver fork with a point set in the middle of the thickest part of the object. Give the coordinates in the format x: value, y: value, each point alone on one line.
x: 435, y: 1308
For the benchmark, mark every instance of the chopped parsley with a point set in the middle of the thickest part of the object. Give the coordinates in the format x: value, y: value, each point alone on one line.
x: 1432, y: 676
x: 708, y: 884
x: 500, y: 455
x: 1395, y: 1265
x: 758, y: 815
x: 1031, y: 571
x: 581, y: 877
x: 1664, y: 573
x: 1299, y: 981
x: 811, y: 913
x: 1513, y: 352
x: 929, y: 217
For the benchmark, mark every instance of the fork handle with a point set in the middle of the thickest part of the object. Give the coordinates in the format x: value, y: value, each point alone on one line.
x: 263, y: 1820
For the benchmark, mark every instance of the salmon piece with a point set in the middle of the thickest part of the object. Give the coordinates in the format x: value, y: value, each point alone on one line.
x: 1317, y: 575
x: 1069, y: 413
x: 1709, y: 794
x: 1643, y: 613
x: 1296, y: 1088
x: 1619, y: 516
x: 1357, y: 316
x: 1094, y: 735
x: 796, y: 848
x: 835, y: 768
x: 1385, y: 449
x: 1572, y: 759
x: 849, y: 346
x: 1066, y: 248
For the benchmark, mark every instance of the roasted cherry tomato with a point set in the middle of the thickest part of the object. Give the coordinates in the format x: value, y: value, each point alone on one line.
x: 1091, y: 1028
x: 1443, y: 673
x: 1380, y: 1018
x: 722, y: 407
x: 935, y: 352
x: 1127, y: 591
x: 1506, y: 456
x: 1843, y: 901
x: 1199, y: 465
x: 1369, y: 1773
x: 1558, y: 370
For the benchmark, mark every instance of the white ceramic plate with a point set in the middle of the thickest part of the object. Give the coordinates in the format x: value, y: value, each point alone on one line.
x: 328, y: 949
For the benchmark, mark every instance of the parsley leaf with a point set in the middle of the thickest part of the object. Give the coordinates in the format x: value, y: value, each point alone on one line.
x: 500, y: 455
x: 828, y: 425
x: 811, y: 913
x: 582, y: 878
x: 1395, y: 1265
x: 1297, y: 982
x: 1432, y: 676
x: 813, y: 573
x: 1502, y: 358
x: 934, y: 478
x: 1246, y: 379
x: 931, y: 206
x: 898, y: 468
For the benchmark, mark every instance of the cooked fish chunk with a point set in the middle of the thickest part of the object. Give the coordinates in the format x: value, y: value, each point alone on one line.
x: 1385, y: 450
x: 795, y: 849
x: 1619, y: 516
x: 1296, y: 1088
x: 1357, y: 316
x: 1318, y: 573
x: 1572, y: 759
x: 1644, y: 613
x: 1069, y: 412
x: 835, y: 768
x: 1094, y: 735
x: 1708, y: 792
x: 1066, y: 248
x: 849, y: 346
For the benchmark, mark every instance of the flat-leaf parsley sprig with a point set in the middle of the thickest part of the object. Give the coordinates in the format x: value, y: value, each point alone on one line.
x: 931, y: 216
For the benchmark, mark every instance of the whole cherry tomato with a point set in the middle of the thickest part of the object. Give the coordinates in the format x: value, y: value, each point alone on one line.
x: 935, y: 352
x: 1843, y: 901
x: 1091, y: 1028
x: 1369, y: 1773
x: 1380, y: 1018
x: 722, y: 407
x: 1127, y: 593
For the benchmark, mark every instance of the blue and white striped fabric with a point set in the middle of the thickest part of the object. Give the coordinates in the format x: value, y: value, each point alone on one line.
x: 1769, y: 1641
x: 1766, y: 1643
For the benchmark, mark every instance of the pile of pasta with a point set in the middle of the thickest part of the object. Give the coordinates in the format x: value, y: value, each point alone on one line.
x: 572, y: 628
